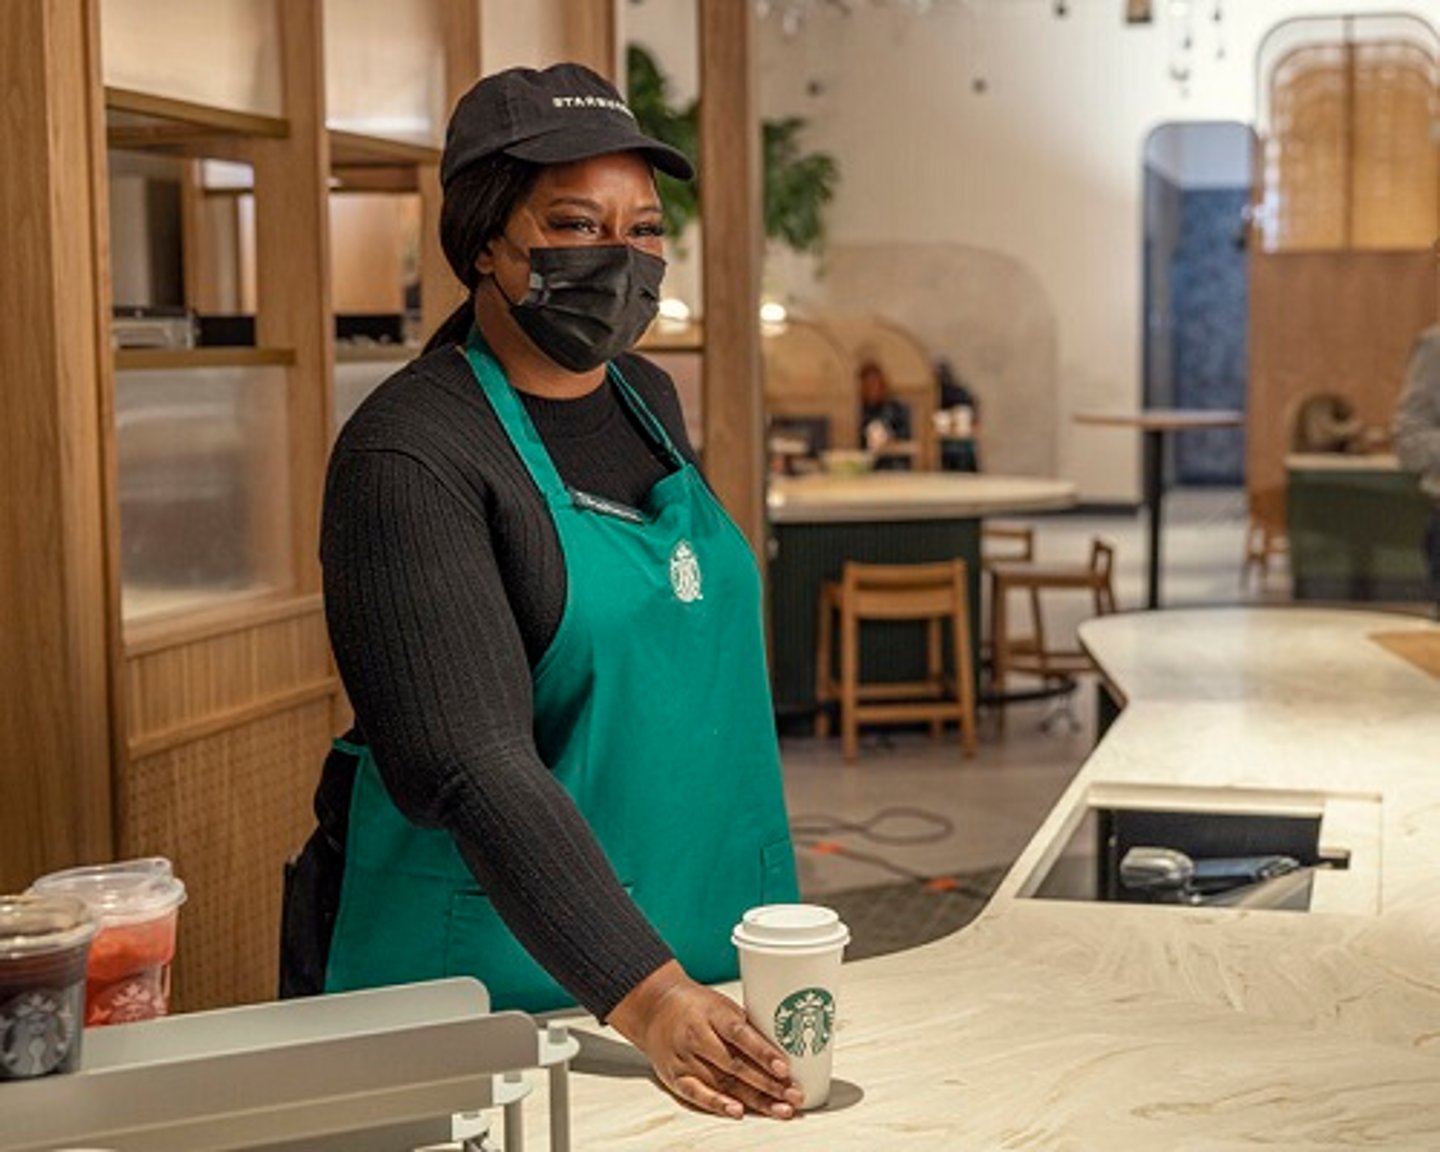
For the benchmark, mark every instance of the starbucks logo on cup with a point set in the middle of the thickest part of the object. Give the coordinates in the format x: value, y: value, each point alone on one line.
x: 37, y: 1030
x: 804, y: 1021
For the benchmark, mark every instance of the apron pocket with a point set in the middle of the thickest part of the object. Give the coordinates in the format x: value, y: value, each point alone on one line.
x: 777, y: 873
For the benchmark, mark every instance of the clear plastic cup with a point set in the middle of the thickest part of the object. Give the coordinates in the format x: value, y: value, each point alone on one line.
x: 137, y: 903
x: 44, y: 943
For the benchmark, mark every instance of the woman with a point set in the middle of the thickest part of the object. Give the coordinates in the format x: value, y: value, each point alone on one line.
x: 564, y: 778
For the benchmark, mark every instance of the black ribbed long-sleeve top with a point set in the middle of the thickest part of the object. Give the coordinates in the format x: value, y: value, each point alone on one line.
x: 444, y: 584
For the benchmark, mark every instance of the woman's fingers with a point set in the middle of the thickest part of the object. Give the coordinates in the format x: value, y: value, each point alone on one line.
x: 703, y: 1049
x: 731, y: 1067
x: 744, y: 1036
x: 693, y: 1090
x: 738, y: 1080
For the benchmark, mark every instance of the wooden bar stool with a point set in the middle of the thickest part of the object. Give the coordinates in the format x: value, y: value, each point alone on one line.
x: 1033, y: 654
x: 933, y: 593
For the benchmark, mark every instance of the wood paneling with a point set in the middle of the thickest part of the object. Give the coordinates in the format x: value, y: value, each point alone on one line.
x: 1351, y: 161
x: 812, y: 369
x: 440, y: 292
x: 809, y: 374
x: 55, y: 688
x: 731, y: 257
x: 367, y: 253
x: 1340, y: 322
x: 228, y: 810
x: 590, y: 34
x: 189, y: 680
x: 229, y: 721
x: 292, y: 241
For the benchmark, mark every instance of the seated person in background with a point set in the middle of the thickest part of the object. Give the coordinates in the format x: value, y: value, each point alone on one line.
x: 957, y: 420
x: 1326, y: 422
x: 884, y: 420
x: 1417, y: 438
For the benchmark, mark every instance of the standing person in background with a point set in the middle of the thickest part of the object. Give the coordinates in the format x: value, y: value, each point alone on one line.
x: 960, y: 434
x: 564, y: 778
x: 1417, y: 439
x: 884, y: 420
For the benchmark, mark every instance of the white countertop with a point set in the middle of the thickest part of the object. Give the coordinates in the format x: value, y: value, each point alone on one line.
x: 1342, y: 462
x: 1047, y: 1025
x: 889, y: 496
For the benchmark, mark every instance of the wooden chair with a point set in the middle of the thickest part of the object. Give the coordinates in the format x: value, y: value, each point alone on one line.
x: 1004, y: 542
x: 1262, y: 542
x: 934, y: 593
x: 1033, y: 654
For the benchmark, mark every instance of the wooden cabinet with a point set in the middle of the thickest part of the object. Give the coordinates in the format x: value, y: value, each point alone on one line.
x: 168, y: 685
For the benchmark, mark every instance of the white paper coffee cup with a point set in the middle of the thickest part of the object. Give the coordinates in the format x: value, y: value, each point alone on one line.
x: 790, y: 972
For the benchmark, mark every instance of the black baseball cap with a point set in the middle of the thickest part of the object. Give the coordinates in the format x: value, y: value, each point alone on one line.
x: 549, y: 116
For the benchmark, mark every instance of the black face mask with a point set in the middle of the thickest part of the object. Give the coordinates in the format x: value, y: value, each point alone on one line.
x: 589, y: 303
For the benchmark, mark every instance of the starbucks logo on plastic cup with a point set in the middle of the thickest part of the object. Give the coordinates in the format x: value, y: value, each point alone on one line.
x: 36, y: 1032
x: 804, y: 1022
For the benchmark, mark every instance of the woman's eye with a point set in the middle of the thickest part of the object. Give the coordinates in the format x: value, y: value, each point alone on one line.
x: 579, y: 224
x: 649, y: 230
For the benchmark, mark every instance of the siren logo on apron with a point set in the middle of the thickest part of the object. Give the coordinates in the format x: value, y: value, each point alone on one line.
x: 685, y: 573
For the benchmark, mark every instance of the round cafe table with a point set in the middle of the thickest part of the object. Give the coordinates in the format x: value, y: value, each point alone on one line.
x: 1155, y: 423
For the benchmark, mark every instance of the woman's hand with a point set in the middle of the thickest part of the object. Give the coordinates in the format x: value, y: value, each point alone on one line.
x: 702, y: 1047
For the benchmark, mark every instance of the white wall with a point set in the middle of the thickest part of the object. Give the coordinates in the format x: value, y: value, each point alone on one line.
x: 514, y: 33
x: 220, y: 52
x: 1202, y: 155
x: 1042, y: 169
x: 385, y: 69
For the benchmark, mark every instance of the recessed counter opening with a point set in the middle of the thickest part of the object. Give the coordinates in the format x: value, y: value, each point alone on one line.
x: 1259, y: 850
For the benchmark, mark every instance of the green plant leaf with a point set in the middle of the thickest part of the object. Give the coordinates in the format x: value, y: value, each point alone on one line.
x: 797, y: 186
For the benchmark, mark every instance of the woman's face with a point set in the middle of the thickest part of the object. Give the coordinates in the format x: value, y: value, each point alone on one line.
x: 603, y: 200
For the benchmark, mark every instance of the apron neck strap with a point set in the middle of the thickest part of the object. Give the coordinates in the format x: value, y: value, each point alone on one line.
x: 521, y: 429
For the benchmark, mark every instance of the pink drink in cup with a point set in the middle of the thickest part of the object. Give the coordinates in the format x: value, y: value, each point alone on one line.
x: 137, y: 903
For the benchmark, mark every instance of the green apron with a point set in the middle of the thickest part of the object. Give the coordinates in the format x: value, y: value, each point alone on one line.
x: 652, y: 708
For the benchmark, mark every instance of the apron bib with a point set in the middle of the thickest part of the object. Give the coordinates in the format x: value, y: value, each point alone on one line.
x: 653, y: 710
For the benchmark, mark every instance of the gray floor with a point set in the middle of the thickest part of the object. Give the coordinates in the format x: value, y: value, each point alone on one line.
x: 908, y: 841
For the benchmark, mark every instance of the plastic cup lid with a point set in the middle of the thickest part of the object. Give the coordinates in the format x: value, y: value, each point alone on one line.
x: 791, y: 926
x: 121, y: 893
x: 33, y: 925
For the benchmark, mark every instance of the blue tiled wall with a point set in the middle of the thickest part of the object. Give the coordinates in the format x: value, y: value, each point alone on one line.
x: 1211, y: 303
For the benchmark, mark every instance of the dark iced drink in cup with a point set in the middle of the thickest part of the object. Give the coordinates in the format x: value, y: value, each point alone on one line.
x: 44, y: 945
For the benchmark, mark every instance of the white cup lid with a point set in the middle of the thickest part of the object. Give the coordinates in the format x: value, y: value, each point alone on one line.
x: 786, y: 926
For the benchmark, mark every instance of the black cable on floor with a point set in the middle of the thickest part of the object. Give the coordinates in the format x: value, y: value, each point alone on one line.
x: 815, y: 831
x: 820, y: 825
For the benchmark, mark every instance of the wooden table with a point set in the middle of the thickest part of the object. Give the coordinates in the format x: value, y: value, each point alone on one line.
x: 820, y: 521
x: 1154, y: 423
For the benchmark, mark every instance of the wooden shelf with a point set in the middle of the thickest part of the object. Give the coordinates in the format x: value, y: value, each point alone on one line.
x: 375, y: 353
x: 360, y: 163
x: 140, y: 121
x: 165, y: 359
x: 353, y: 149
